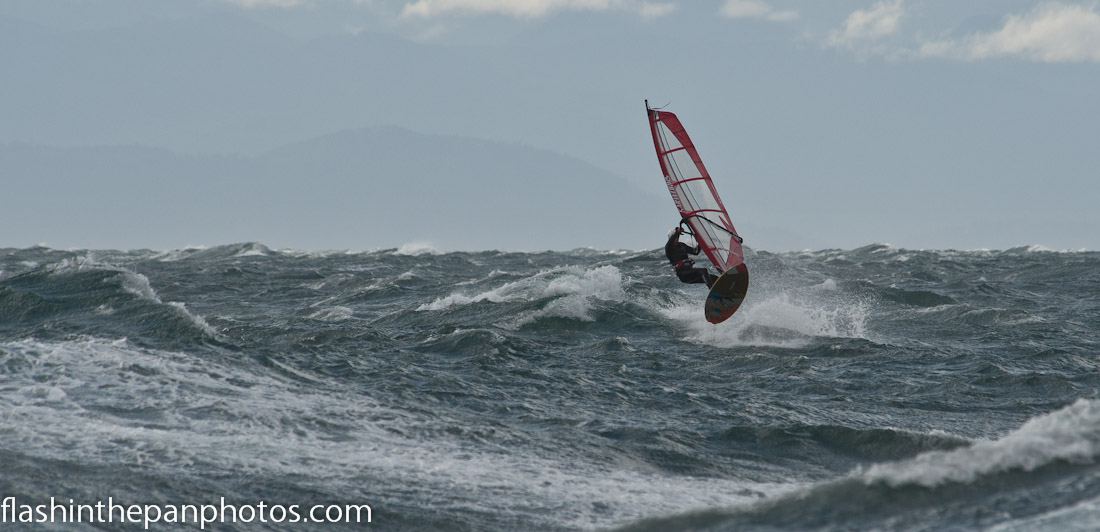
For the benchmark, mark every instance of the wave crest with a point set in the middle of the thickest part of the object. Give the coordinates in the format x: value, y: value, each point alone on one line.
x: 1070, y: 434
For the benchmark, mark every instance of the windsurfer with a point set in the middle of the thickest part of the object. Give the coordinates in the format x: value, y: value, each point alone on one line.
x: 677, y: 253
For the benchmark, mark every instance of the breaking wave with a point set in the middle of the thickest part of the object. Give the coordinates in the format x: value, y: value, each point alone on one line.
x: 960, y: 476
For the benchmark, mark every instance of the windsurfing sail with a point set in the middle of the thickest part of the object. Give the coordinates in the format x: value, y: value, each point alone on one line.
x: 693, y: 191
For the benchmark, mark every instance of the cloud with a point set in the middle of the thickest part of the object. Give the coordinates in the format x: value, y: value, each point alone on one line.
x: 530, y: 8
x: 869, y: 25
x: 1050, y: 33
x: 258, y: 4
x: 756, y: 9
x: 656, y: 9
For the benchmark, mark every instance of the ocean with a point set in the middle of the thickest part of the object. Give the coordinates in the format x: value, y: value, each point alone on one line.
x: 875, y: 388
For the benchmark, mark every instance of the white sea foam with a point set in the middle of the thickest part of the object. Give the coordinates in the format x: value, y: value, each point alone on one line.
x: 137, y: 284
x: 172, y: 255
x: 337, y: 313
x: 1039, y: 248
x: 497, y: 295
x: 571, y: 288
x: 321, y: 253
x: 131, y: 282
x: 786, y: 319
x: 335, y: 279
x: 265, y: 426
x: 493, y: 274
x: 195, y: 319
x: 577, y: 307
x: 80, y: 263
x: 253, y: 250
x: 417, y: 248
x: 1071, y: 434
x: 547, y: 283
x: 1080, y: 517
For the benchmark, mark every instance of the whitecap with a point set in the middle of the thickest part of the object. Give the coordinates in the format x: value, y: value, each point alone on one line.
x: 332, y: 314
x: 253, y: 250
x: 1070, y: 434
x: 417, y: 248
x: 782, y: 320
x: 604, y: 282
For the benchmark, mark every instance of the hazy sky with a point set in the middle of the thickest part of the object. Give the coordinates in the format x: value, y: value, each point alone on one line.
x: 929, y: 124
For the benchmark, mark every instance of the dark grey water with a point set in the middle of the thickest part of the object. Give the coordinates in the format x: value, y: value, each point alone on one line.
x: 870, y: 388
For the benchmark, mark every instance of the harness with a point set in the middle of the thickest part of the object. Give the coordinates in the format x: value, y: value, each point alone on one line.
x: 683, y: 264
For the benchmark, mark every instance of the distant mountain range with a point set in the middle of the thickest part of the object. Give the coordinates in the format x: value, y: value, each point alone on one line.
x: 376, y: 187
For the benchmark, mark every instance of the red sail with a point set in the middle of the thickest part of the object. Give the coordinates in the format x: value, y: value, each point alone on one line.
x: 693, y: 191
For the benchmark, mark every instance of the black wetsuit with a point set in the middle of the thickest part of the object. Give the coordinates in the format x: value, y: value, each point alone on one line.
x: 677, y: 253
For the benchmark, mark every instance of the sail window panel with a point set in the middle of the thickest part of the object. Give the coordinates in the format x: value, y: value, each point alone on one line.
x: 681, y: 166
x: 695, y: 195
x: 715, y: 238
x: 667, y: 139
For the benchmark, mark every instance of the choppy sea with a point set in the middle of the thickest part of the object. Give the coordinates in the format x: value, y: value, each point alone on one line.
x: 873, y: 388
